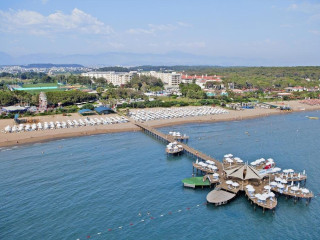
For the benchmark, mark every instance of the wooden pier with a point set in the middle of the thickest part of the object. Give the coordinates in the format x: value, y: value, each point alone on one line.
x: 187, y: 149
x: 223, y: 192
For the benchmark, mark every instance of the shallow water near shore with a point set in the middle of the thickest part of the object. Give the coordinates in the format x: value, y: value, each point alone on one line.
x: 80, y: 187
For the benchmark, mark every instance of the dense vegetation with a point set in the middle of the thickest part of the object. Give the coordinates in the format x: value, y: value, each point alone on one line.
x: 192, y: 91
x: 9, y: 98
x: 266, y: 77
x: 69, y: 97
x: 145, y: 83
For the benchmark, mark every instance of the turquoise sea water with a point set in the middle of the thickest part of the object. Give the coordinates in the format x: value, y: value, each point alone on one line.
x: 83, y: 186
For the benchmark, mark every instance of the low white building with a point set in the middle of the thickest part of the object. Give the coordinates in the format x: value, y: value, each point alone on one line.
x: 116, y: 78
x: 172, y: 79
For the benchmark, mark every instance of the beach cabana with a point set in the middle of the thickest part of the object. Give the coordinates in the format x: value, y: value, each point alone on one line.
x: 85, y: 112
x: 244, y: 172
x: 103, y: 110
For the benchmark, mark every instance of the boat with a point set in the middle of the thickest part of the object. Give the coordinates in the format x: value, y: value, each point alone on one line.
x: 314, y: 118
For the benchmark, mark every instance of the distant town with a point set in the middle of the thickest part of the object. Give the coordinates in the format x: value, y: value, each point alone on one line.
x: 67, y: 88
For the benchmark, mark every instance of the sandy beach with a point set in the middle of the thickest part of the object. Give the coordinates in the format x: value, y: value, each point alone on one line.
x: 11, y: 139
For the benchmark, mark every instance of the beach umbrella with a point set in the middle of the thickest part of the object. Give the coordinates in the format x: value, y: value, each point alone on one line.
x: 253, y: 163
x: 294, y: 188
x: 278, y: 179
x: 290, y: 170
x: 280, y: 185
x: 284, y: 181
x: 227, y: 155
x: 213, y: 167
x: 273, y: 184
x: 229, y: 160
x: 215, y: 175
x: 251, y: 189
x: 249, y: 186
x: 262, y: 198
x: 270, y: 160
x: 271, y: 194
x: 266, y: 195
x: 235, y: 184
x: 230, y: 155
x: 239, y: 160
x: 262, y: 160
x: 285, y: 170
x: 258, y: 195
x: 304, y: 190
x: 229, y: 182
x: 267, y: 187
x: 276, y: 169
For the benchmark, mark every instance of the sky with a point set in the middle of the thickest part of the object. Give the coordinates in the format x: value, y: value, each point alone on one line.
x: 285, y: 32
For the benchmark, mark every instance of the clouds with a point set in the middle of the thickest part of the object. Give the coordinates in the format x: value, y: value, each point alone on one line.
x: 305, y: 7
x: 315, y: 32
x: 34, y: 23
x: 153, y: 28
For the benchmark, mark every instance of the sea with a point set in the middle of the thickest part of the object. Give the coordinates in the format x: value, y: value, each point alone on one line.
x: 124, y: 186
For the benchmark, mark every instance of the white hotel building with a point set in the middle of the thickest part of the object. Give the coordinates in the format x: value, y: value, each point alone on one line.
x: 116, y: 78
x: 172, y: 80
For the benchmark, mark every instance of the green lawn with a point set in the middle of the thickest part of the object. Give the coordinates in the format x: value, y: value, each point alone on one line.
x: 40, y: 85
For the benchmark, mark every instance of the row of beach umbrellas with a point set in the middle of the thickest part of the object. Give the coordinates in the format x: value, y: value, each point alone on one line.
x: 170, y: 113
x: 65, y: 124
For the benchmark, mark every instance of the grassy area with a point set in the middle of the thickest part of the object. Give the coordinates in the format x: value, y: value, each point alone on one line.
x: 40, y: 85
x: 9, y: 80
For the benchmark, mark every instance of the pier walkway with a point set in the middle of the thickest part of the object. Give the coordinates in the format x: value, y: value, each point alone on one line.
x: 187, y: 149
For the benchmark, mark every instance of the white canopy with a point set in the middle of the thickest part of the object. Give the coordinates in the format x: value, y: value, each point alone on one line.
x: 271, y: 194
x: 273, y: 184
x: 278, y: 179
x: 267, y: 187
x: 280, y: 185
x: 276, y: 169
x: 235, y: 184
x: 294, y: 188
x: 304, y: 190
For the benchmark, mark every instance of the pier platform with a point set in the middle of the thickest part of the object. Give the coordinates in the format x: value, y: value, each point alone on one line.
x: 194, y: 182
x: 219, y: 197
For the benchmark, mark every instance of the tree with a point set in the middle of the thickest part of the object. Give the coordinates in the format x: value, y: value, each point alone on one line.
x: 88, y: 106
x: 100, y: 90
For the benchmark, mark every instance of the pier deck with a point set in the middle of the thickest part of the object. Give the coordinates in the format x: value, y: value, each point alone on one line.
x: 191, y: 151
x: 219, y: 197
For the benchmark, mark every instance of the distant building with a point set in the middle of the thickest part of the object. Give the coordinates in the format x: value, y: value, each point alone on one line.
x: 201, y: 80
x: 172, y: 80
x: 294, y: 89
x: 43, y: 102
x: 116, y: 78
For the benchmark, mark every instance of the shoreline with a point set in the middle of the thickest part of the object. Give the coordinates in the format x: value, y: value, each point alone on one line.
x: 24, y: 138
